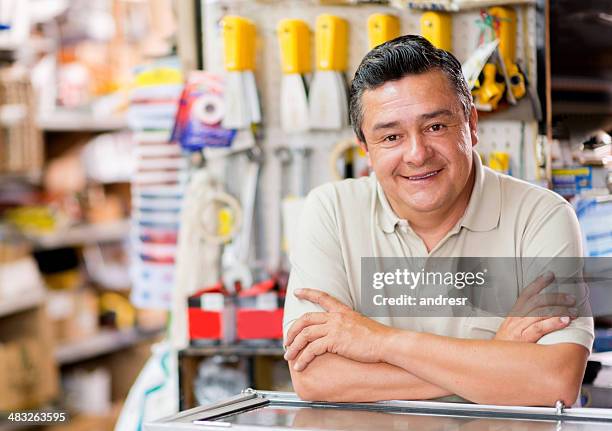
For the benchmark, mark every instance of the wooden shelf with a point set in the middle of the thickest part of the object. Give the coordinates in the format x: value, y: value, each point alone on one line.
x: 30, y: 177
x: 455, y: 5
x: 106, y: 341
x: 522, y: 111
x: 23, y: 302
x: 79, y: 121
x: 83, y: 234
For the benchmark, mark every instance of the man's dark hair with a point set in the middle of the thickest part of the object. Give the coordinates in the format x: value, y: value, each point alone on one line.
x: 392, y: 60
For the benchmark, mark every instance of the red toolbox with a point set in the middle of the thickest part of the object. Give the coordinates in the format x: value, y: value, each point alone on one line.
x: 212, y: 317
x: 259, y: 314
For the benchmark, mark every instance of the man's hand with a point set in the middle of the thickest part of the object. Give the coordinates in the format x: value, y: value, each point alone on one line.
x: 339, y: 330
x: 536, y: 314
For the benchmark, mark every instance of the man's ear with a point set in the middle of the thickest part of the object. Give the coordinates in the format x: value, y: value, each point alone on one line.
x: 363, y: 146
x: 474, y: 125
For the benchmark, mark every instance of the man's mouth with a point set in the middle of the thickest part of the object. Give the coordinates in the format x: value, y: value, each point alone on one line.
x: 423, y: 176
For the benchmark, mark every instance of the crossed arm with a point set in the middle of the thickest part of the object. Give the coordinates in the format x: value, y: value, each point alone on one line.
x: 340, y: 355
x: 334, y: 378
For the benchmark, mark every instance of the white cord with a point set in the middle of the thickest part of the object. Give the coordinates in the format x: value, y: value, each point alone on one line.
x: 229, y: 201
x: 339, y: 149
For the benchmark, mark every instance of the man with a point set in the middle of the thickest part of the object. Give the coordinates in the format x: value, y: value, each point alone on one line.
x: 431, y: 197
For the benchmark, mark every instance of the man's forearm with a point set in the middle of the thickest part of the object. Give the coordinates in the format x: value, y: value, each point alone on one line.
x: 489, y: 371
x: 337, y: 379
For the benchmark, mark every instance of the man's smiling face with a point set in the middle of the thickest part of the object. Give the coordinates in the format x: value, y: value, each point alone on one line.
x: 419, y: 142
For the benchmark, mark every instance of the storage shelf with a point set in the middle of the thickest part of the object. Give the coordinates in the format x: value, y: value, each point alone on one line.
x: 522, y: 111
x: 83, y: 234
x: 30, y: 177
x: 455, y: 5
x: 106, y: 341
x: 77, y: 121
x: 23, y: 302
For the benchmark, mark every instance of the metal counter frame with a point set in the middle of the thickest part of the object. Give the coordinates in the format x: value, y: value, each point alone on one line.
x: 211, y: 416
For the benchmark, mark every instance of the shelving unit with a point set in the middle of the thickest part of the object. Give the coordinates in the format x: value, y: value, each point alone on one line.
x: 456, y: 5
x: 62, y: 133
x: 77, y: 121
x: 104, y: 342
x: 21, y: 303
x: 83, y: 234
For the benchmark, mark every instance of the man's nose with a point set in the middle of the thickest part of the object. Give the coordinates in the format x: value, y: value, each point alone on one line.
x: 416, y: 151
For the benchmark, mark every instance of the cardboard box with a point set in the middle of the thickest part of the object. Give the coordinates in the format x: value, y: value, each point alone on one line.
x: 28, y: 372
x: 85, y: 423
x: 88, y: 422
x: 12, y: 252
x: 26, y: 375
x: 74, y: 314
x: 19, y: 278
x: 125, y: 366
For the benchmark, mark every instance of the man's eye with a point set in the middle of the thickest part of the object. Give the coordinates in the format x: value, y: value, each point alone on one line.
x: 437, y: 127
x: 390, y: 138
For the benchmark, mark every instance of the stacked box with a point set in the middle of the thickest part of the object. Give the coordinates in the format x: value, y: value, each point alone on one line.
x: 158, y: 183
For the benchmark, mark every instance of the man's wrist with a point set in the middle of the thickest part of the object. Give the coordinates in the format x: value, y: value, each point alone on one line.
x: 396, y: 343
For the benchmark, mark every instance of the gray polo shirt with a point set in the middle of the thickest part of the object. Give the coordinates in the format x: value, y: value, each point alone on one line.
x: 344, y: 221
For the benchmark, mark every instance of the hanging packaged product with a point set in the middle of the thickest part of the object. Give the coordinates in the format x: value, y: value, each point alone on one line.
x: 500, y: 161
x: 211, y: 317
x: 259, y: 315
x: 201, y: 111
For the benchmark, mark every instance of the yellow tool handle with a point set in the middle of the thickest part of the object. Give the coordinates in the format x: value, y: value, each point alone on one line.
x: 239, y: 37
x: 381, y: 28
x: 294, y: 41
x: 331, y: 42
x: 506, y: 20
x: 490, y: 91
x: 437, y: 28
x: 225, y: 222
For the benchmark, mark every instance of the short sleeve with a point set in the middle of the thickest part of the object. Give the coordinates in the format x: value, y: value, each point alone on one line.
x: 316, y: 261
x: 555, y: 237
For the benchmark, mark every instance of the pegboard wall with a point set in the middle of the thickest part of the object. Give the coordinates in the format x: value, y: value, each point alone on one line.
x: 515, y: 134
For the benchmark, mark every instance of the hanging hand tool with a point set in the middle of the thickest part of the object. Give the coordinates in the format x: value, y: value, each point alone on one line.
x: 505, y: 29
x: 437, y: 27
x: 285, y: 158
x: 489, y: 92
x: 381, y: 28
x: 328, y: 98
x: 301, y: 156
x: 473, y: 66
x: 294, y: 41
x: 241, y: 100
x: 236, y: 271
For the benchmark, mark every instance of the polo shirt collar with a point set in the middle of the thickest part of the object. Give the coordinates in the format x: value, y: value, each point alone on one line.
x: 484, y: 209
x: 482, y: 213
x: 387, y: 219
